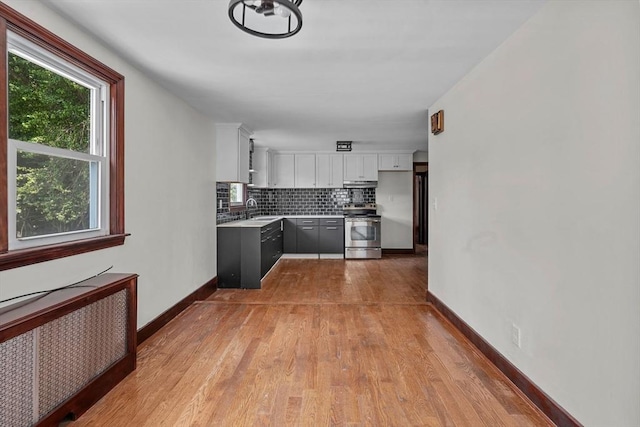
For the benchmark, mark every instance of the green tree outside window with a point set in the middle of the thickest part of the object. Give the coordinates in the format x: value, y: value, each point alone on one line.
x: 53, y: 193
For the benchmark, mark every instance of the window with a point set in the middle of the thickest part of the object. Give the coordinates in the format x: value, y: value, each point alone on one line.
x: 237, y: 195
x: 61, y: 147
x: 57, y: 159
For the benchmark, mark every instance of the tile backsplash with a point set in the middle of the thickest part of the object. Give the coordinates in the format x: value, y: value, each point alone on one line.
x: 291, y: 201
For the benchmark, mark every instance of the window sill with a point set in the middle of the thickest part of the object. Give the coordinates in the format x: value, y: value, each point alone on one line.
x: 22, y: 257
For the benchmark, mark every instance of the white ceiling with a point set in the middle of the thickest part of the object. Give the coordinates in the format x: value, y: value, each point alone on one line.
x: 360, y: 70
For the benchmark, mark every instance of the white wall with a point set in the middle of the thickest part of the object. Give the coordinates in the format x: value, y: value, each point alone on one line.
x: 537, y: 177
x: 169, y: 190
x: 394, y: 197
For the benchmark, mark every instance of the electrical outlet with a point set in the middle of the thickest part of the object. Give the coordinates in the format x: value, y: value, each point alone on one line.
x: 435, y: 203
x: 515, y: 335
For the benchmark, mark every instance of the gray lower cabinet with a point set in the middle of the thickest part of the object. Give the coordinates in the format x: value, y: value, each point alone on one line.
x: 271, y: 251
x: 307, y: 239
x: 290, y: 245
x: 229, y: 257
x: 331, y: 239
x: 246, y: 254
x: 314, y: 235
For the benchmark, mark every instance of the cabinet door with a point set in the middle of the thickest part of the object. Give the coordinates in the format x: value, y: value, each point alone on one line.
x: 243, y: 156
x: 395, y: 162
x: 370, y: 167
x: 331, y: 239
x: 337, y: 170
x: 405, y: 162
x: 272, y: 166
x: 232, y: 152
x: 229, y: 252
x: 352, y: 167
x: 387, y: 162
x: 323, y: 171
x: 305, y: 171
x: 289, y: 243
x: 307, y: 239
x: 360, y: 167
x: 329, y: 171
x: 252, y: 246
x: 260, y: 175
x: 283, y: 171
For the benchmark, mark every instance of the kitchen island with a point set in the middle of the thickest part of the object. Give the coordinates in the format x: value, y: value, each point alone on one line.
x: 247, y: 250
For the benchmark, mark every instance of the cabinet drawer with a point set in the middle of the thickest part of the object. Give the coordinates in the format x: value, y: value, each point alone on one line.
x: 270, y: 252
x: 335, y: 222
x: 271, y: 236
x: 307, y: 221
x: 271, y: 229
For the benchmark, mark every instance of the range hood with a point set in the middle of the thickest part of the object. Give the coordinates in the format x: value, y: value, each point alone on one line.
x: 360, y: 184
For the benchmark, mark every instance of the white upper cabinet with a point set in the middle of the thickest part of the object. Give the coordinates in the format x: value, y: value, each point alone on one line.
x: 329, y: 171
x: 305, y: 170
x: 360, y: 167
x: 261, y: 167
x: 283, y: 171
x: 395, y: 162
x: 232, y: 152
x: 370, y: 167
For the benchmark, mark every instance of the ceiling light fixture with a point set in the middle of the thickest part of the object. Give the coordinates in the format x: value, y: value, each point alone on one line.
x: 343, y: 145
x: 267, y: 18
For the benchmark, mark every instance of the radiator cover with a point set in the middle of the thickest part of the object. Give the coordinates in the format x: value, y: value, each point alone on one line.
x: 61, y: 353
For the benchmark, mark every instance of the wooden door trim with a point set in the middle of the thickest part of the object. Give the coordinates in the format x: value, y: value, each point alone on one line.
x: 415, y: 200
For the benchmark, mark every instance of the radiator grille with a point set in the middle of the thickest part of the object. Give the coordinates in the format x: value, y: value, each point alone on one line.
x: 16, y: 380
x: 80, y: 346
x: 42, y: 368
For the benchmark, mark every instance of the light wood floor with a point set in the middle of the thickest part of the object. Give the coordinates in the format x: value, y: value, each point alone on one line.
x: 325, y: 342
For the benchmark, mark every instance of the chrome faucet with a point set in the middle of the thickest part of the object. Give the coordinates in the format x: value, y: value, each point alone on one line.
x: 251, y: 201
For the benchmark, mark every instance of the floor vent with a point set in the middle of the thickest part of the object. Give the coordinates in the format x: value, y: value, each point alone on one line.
x: 60, y: 353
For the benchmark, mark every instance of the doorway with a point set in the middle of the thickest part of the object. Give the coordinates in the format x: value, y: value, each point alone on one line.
x: 420, y: 207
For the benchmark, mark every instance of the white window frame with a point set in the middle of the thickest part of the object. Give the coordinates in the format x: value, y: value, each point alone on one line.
x: 98, y: 148
x: 241, y: 192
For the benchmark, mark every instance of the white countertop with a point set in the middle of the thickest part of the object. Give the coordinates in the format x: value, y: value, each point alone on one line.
x: 268, y: 219
x: 249, y: 223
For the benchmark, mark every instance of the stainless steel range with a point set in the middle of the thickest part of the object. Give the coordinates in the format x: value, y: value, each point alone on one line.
x: 362, y: 231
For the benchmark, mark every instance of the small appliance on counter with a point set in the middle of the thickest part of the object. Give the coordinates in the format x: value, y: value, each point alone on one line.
x: 362, y: 231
